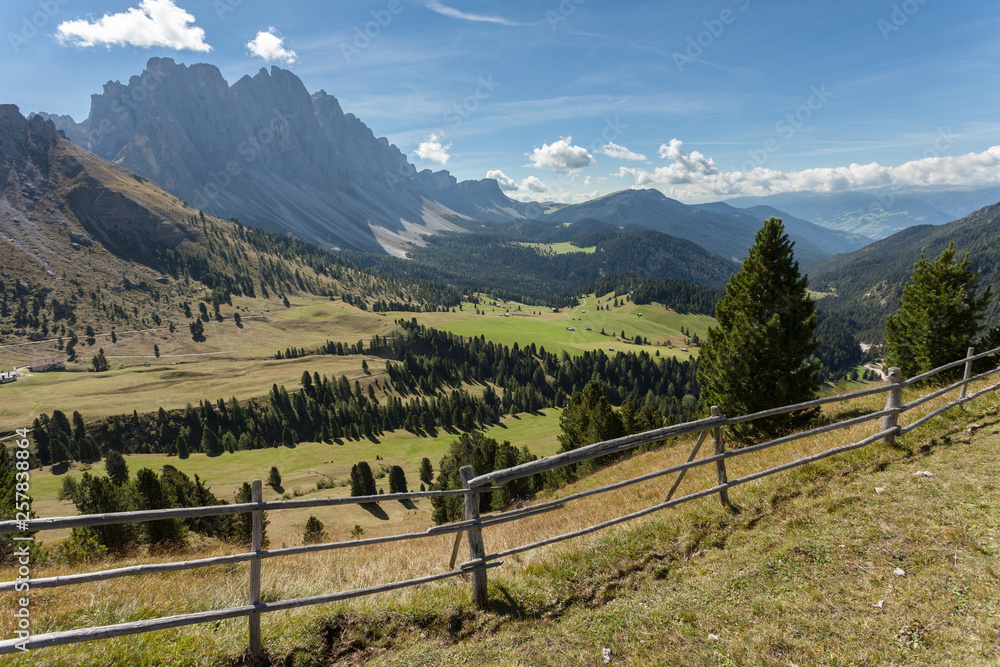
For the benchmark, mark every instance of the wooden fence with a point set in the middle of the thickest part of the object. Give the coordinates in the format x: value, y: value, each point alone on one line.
x: 473, y: 524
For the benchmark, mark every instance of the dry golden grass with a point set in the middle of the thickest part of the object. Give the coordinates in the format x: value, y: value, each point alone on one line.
x: 696, y: 526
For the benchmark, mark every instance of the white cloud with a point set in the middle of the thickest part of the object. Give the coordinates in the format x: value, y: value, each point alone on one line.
x: 613, y: 150
x: 507, y: 184
x: 531, y: 184
x: 433, y: 150
x: 152, y: 23
x: 561, y: 156
x: 694, y: 176
x: 534, y: 184
x: 466, y: 16
x: 270, y: 47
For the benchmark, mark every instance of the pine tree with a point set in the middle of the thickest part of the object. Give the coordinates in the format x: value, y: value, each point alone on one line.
x: 274, y: 477
x: 939, y: 315
x: 426, y: 471
x: 116, y: 468
x: 314, y: 532
x: 759, y: 355
x: 397, y: 480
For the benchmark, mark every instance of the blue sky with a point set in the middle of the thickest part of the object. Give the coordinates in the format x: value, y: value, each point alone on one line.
x: 571, y: 99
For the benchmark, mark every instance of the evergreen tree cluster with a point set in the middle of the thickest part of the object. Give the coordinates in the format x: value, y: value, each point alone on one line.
x: 146, y: 490
x: 485, y: 455
x: 420, y: 398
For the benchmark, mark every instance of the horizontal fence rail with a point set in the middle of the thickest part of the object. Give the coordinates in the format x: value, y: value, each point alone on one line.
x: 473, y: 525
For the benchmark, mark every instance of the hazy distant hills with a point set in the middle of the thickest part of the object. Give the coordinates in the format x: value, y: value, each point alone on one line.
x: 719, y: 228
x: 876, y: 214
x: 869, y: 282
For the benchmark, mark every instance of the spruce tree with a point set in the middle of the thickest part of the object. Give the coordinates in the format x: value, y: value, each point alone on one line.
x: 397, y: 480
x: 939, y: 315
x: 759, y: 355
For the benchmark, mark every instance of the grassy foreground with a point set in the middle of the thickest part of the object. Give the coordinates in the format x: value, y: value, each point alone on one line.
x: 855, y: 560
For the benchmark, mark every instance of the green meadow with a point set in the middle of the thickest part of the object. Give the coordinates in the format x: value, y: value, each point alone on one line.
x: 306, y: 464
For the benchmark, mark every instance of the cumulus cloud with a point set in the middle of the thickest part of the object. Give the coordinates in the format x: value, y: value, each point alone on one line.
x: 531, y: 184
x: 534, y: 184
x: 152, y: 23
x: 507, y: 184
x: 611, y: 149
x: 270, y: 47
x: 433, y: 150
x: 561, y: 156
x: 444, y: 10
x: 693, y: 176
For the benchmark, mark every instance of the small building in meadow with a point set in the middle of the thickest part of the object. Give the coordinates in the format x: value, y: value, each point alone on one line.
x: 45, y: 365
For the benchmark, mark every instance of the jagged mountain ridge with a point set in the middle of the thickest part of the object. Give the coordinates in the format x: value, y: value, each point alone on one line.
x: 267, y: 152
x: 263, y: 150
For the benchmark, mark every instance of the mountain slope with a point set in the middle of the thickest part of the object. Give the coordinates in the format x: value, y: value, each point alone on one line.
x: 829, y: 240
x: 263, y: 150
x: 86, y: 242
x: 729, y: 234
x: 869, y: 282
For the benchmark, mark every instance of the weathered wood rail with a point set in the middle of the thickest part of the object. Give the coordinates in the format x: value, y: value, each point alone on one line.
x: 473, y: 524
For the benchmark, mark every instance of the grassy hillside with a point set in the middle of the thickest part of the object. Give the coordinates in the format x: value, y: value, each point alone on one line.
x: 528, y: 324
x: 95, y: 246
x: 303, y: 466
x: 238, y: 361
x: 802, y: 573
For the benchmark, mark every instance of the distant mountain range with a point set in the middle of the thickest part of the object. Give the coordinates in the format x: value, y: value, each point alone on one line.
x: 262, y: 150
x: 267, y: 152
x: 879, y: 213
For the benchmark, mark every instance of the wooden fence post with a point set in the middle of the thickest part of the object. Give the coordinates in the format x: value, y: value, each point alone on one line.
x: 477, y: 550
x: 256, y: 545
x: 968, y: 374
x: 720, y: 465
x: 893, y: 400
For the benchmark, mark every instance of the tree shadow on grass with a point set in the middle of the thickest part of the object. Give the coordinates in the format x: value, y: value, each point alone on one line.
x: 375, y: 510
x: 510, y: 607
x: 408, y: 504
